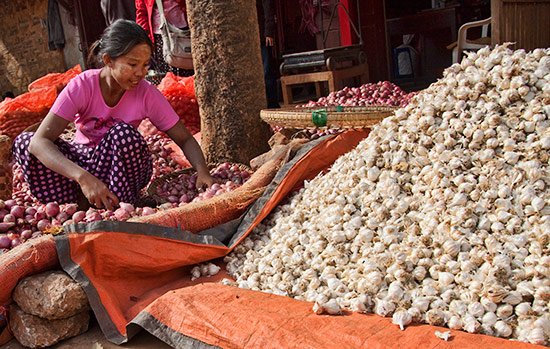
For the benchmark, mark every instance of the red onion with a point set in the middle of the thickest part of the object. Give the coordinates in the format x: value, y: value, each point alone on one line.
x: 62, y: 217
x: 92, y: 215
x: 43, y: 224
x: 26, y: 234
x: 5, y: 241
x: 30, y: 211
x: 15, y: 242
x: 147, y: 211
x: 127, y: 207
x: 69, y: 209
x: 52, y: 209
x: 5, y: 226
x: 10, y: 203
x: 10, y: 218
x: 79, y: 216
x: 40, y: 215
x: 121, y: 214
x: 17, y: 211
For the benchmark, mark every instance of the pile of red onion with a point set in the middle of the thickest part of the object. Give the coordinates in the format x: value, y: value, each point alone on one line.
x: 22, y: 218
x: 380, y: 93
x: 162, y: 160
x: 20, y: 188
x: 182, y: 189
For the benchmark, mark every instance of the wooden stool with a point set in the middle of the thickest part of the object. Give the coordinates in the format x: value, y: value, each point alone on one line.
x: 334, y: 78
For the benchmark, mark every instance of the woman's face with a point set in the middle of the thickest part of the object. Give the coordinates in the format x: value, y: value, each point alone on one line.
x: 128, y: 70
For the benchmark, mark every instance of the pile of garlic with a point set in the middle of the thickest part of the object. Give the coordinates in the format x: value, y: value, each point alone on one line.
x: 441, y: 216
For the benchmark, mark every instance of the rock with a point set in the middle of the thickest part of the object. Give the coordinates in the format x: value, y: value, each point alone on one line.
x: 34, y: 332
x: 51, y: 295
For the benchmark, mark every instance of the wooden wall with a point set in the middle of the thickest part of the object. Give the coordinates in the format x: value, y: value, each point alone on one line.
x: 525, y: 22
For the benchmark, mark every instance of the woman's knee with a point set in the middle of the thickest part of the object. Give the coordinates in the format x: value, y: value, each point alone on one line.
x: 126, y: 137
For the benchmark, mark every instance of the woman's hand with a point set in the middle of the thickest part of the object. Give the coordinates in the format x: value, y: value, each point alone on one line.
x: 97, y: 192
x: 43, y: 147
x: 204, y: 179
x: 193, y: 153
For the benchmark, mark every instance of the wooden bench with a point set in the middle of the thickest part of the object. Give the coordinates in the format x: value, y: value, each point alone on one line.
x: 334, y: 79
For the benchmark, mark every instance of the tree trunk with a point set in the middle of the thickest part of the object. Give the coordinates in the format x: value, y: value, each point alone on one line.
x: 229, y: 79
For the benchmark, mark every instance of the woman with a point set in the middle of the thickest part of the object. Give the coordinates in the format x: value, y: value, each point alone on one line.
x: 108, y: 161
x: 148, y: 16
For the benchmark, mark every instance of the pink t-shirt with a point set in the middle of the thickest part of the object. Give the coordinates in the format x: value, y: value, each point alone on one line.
x: 81, y: 102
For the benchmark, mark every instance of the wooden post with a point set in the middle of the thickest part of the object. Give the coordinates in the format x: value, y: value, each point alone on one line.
x: 229, y: 80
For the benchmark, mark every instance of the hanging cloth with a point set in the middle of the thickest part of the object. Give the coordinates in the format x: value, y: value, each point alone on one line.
x: 56, y: 38
x: 118, y: 9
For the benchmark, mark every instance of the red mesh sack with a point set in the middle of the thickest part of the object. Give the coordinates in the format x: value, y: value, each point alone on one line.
x: 25, y: 110
x: 57, y: 80
x: 180, y: 92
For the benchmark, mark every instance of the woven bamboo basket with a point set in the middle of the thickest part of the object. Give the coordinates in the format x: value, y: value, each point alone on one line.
x: 332, y: 117
x: 5, y: 168
x: 152, y: 188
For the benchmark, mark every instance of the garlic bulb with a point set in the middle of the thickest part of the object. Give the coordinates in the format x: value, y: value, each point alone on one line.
x: 195, y: 273
x: 522, y: 309
x: 401, y: 318
x: 435, y: 317
x: 455, y: 323
x: 489, y: 319
x: 502, y: 329
x: 471, y: 325
x: 536, y: 336
x: 504, y: 311
x: 361, y: 304
x: 331, y: 308
x: 544, y: 323
x: 207, y: 269
x: 384, y: 308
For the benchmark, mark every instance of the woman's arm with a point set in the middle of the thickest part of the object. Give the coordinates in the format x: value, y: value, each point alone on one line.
x: 192, y: 151
x: 42, y: 146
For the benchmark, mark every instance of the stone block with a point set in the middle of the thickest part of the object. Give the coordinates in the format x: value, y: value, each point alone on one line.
x: 51, y: 295
x: 35, y: 332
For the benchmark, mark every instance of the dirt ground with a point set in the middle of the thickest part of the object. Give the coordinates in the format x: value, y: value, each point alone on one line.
x: 94, y: 339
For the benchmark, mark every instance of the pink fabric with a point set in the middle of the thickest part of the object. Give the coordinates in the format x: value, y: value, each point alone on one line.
x: 173, y: 13
x: 82, y: 103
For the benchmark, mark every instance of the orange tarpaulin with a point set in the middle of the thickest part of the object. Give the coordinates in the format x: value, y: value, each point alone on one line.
x: 137, y: 276
x: 125, y: 266
x: 230, y: 317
